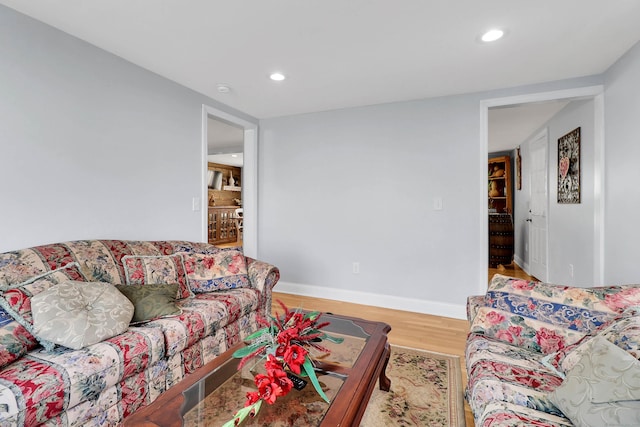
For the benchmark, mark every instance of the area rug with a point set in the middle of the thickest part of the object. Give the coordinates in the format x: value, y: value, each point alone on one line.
x: 426, y: 390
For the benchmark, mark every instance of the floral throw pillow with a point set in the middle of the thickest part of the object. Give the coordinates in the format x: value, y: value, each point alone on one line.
x: 157, y: 270
x: 225, y: 269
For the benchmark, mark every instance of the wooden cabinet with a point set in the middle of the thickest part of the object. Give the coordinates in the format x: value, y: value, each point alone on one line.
x: 500, y: 187
x: 500, y: 239
x: 225, y: 196
x: 223, y: 224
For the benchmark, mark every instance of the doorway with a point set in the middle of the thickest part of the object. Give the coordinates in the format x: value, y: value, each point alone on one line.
x: 592, y: 92
x: 249, y: 177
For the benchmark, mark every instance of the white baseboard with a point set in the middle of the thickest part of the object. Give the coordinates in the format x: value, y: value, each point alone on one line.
x: 523, y: 265
x: 378, y: 300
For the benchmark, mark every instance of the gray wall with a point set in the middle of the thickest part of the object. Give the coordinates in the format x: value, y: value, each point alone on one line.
x: 622, y: 173
x: 358, y: 185
x: 92, y: 146
x: 571, y: 226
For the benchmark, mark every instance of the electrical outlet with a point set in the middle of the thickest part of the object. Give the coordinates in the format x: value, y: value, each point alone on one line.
x: 356, y: 267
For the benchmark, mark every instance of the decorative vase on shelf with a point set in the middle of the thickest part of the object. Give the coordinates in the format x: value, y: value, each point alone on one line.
x: 494, y: 189
x: 232, y: 181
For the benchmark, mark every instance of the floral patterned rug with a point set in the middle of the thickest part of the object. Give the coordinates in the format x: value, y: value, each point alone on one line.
x: 426, y: 390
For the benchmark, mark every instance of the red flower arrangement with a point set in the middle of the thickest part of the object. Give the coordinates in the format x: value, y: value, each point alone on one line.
x: 282, y: 344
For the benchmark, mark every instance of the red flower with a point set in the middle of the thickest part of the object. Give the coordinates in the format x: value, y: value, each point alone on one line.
x: 549, y: 340
x: 272, y: 364
x: 280, y: 377
x: 285, y: 337
x: 234, y: 265
x: 495, y: 318
x: 267, y: 389
x: 504, y: 335
x: 252, y: 397
x: 515, y: 330
x: 294, y: 356
x: 523, y: 284
x: 208, y: 262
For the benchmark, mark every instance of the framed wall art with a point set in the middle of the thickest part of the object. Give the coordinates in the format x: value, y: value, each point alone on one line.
x: 569, y: 167
x: 518, y: 169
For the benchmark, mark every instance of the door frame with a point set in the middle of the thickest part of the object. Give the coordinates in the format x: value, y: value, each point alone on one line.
x: 597, y: 94
x: 249, y: 177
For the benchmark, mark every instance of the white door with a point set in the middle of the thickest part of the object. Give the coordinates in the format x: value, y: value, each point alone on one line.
x: 538, y: 208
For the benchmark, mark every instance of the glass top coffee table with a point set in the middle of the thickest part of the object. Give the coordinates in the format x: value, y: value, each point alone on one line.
x: 212, y: 394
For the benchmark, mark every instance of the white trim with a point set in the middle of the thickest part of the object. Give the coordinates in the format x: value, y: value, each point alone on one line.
x: 598, y: 190
x: 595, y: 92
x: 249, y: 178
x: 378, y: 300
x: 523, y: 265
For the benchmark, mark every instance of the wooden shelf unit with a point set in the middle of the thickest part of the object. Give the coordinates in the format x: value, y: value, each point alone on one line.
x: 499, y: 185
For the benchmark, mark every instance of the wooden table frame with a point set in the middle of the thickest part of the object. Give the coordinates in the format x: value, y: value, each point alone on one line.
x: 346, y: 409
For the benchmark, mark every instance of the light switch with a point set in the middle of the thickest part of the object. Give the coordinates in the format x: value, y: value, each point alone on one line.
x: 195, y: 204
x: 437, y: 203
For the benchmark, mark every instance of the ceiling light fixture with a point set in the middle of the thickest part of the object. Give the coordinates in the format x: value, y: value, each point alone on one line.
x: 492, y: 35
x: 222, y: 88
x: 278, y: 77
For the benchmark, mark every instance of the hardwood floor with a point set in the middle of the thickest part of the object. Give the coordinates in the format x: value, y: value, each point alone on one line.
x: 434, y: 333
x: 512, y: 270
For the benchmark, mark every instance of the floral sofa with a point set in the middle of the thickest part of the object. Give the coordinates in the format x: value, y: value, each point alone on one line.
x: 195, y: 302
x: 546, y: 355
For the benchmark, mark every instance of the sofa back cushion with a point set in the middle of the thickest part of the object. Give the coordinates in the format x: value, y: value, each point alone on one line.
x: 157, y: 270
x: 547, y: 318
x: 225, y: 269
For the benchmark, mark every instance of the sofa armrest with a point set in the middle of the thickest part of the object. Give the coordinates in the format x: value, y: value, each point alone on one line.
x: 263, y: 276
x: 474, y: 302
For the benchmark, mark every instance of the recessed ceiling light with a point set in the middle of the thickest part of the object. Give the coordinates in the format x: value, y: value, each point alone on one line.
x: 223, y: 88
x: 492, y: 35
x: 277, y: 77
x: 235, y: 156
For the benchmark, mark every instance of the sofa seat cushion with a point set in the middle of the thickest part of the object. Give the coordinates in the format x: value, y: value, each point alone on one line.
x: 203, y: 315
x: 42, y: 384
x: 499, y: 372
x: 502, y: 414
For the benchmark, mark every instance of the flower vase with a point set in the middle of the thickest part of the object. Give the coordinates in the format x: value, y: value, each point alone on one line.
x: 232, y: 182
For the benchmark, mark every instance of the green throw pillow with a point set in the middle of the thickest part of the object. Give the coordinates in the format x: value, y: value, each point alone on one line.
x: 151, y: 301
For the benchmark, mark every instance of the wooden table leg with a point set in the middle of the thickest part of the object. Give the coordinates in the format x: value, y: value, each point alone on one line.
x: 385, y: 382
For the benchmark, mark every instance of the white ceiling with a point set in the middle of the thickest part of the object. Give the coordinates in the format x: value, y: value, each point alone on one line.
x: 339, y: 54
x: 511, y: 126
